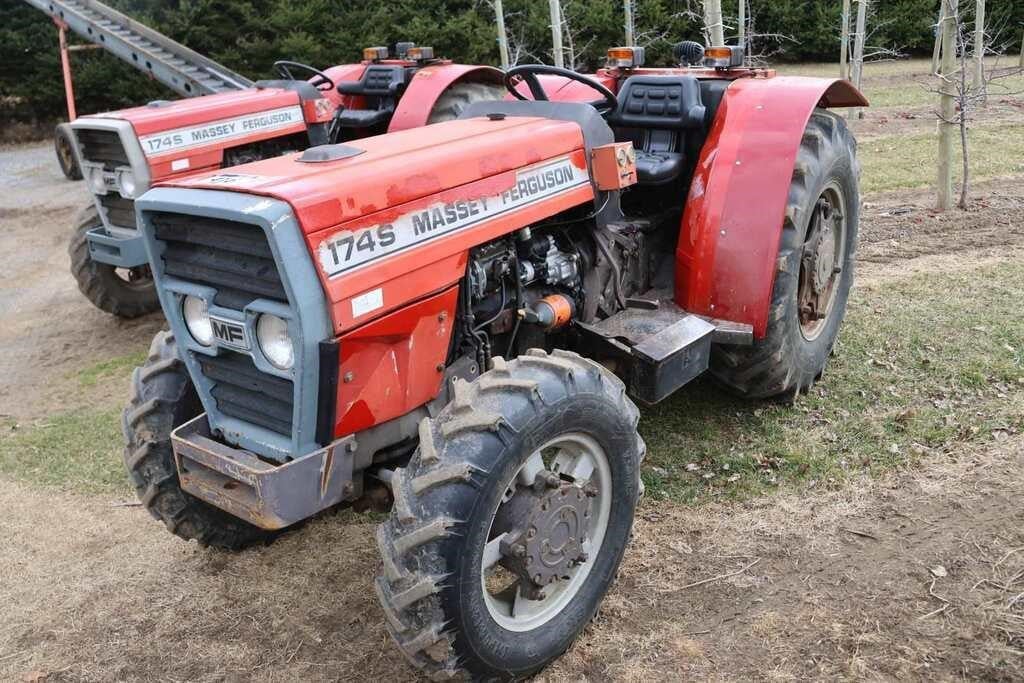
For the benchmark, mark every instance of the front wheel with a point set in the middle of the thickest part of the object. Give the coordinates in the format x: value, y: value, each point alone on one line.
x: 124, y: 292
x: 815, y: 270
x: 512, y: 517
x: 64, y: 146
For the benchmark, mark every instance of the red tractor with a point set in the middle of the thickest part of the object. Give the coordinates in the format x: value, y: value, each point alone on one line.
x: 467, y: 311
x: 122, y: 154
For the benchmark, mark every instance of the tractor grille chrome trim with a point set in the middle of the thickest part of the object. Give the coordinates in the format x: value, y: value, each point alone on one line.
x: 102, y: 146
x: 242, y: 391
x: 119, y: 211
x: 233, y: 258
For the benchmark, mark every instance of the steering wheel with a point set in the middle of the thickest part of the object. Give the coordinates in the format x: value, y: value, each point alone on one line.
x: 529, y: 72
x: 284, y: 68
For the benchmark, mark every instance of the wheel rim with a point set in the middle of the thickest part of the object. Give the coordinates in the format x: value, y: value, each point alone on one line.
x: 138, y: 278
x: 822, y: 262
x: 578, y: 461
x: 66, y: 154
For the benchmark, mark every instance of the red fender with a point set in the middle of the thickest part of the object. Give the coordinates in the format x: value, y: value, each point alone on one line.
x: 732, y: 224
x: 428, y: 84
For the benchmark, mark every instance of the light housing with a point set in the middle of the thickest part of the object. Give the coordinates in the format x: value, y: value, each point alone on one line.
x: 419, y: 54
x: 625, y: 57
x: 275, y: 342
x: 375, y: 54
x: 97, y: 183
x: 723, y: 56
x: 197, y: 319
x: 126, y: 183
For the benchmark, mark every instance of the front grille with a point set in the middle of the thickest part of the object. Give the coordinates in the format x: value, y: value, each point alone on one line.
x: 120, y: 211
x: 242, y: 391
x: 102, y: 146
x: 233, y: 258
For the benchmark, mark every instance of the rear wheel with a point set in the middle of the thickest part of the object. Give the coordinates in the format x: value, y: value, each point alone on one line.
x: 64, y: 145
x: 124, y: 292
x: 815, y: 270
x: 512, y: 517
x: 459, y: 96
x: 162, y: 399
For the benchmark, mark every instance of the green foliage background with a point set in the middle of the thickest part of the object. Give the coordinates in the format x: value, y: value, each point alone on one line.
x: 248, y: 35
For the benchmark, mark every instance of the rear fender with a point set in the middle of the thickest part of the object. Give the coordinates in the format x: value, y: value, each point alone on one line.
x: 427, y: 86
x: 732, y: 223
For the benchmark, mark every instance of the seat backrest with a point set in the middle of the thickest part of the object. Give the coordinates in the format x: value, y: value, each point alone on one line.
x: 659, y: 102
x: 378, y: 80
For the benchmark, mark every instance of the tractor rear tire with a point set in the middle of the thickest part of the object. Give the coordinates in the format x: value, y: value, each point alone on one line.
x: 101, y: 283
x: 162, y: 398
x: 432, y: 586
x: 459, y: 96
x: 64, y: 145
x: 788, y: 360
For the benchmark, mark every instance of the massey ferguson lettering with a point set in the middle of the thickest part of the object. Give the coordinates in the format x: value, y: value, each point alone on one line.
x: 350, y: 249
x: 196, y: 136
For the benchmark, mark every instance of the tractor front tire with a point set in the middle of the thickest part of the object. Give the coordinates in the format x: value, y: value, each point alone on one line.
x: 162, y: 398
x: 801, y: 333
x: 458, y: 96
x: 64, y: 146
x: 101, y: 283
x: 475, y: 462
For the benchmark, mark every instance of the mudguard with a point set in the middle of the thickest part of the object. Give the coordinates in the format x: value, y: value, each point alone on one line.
x: 732, y: 224
x: 427, y: 85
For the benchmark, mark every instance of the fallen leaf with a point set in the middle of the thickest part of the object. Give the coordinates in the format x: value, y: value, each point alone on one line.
x: 938, y: 571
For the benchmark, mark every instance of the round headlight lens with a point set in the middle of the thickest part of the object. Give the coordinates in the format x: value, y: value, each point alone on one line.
x: 96, y: 182
x: 197, y: 320
x: 276, y: 345
x: 126, y: 181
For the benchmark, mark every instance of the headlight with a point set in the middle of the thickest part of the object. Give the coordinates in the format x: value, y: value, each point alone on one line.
x: 126, y: 183
x: 96, y: 181
x: 197, y: 320
x: 276, y: 345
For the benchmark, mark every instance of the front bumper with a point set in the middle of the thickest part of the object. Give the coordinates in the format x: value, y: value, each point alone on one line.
x: 120, y: 251
x: 268, y: 496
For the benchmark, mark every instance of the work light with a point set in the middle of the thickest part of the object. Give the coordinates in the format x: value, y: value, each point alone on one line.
x: 197, y: 319
x: 276, y: 345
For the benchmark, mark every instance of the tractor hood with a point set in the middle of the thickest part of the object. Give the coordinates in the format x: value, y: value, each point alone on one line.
x: 332, y: 185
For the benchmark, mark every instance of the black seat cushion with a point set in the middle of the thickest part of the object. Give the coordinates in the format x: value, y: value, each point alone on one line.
x: 654, y: 168
x: 363, y: 118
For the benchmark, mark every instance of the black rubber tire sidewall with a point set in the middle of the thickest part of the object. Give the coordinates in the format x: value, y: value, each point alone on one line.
x: 99, y: 282
x: 68, y: 166
x: 489, y: 644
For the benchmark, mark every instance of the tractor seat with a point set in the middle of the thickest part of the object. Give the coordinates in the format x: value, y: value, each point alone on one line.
x: 380, y: 85
x: 657, y: 110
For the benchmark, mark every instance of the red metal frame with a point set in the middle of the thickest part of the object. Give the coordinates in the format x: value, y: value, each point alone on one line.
x: 65, y: 65
x: 730, y: 231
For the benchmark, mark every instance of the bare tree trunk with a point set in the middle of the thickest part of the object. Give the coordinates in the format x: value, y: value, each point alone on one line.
x: 1020, y: 57
x: 741, y: 26
x: 947, y: 106
x: 499, y: 14
x: 713, y: 21
x: 962, y: 120
x: 844, y: 41
x: 979, y: 45
x: 937, y: 48
x: 627, y: 8
x: 858, y: 51
x: 556, y: 33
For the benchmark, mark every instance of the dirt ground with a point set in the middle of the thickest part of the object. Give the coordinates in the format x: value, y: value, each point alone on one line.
x: 918, y: 575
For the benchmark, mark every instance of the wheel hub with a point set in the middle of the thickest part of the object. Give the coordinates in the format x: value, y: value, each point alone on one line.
x: 546, y: 528
x: 821, y: 251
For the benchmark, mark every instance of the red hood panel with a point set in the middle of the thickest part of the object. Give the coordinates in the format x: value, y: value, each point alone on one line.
x: 398, y: 167
x: 177, y: 114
